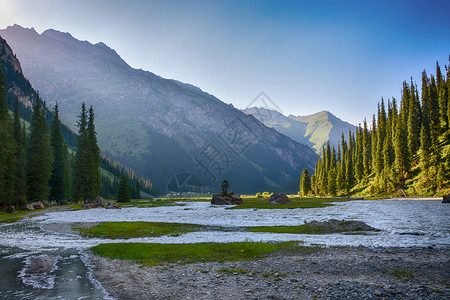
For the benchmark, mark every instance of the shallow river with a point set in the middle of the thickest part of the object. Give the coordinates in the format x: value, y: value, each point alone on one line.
x: 403, y: 223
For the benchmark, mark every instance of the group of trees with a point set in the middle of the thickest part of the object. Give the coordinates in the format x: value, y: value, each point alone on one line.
x: 110, y: 182
x: 405, y: 140
x: 37, y: 166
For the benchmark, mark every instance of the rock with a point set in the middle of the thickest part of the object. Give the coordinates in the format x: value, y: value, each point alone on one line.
x: 100, y: 202
x: 38, y: 205
x: 11, y: 209
x: 46, y: 203
x: 28, y: 207
x: 64, y: 202
x: 41, y: 264
x: 279, y: 199
x: 335, y: 226
x: 446, y: 199
x: 230, y: 199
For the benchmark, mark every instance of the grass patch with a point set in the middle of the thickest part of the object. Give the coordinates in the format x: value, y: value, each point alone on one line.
x: 402, y: 274
x: 160, y: 254
x: 10, y: 218
x: 297, y: 202
x: 117, y: 230
x: 232, y: 271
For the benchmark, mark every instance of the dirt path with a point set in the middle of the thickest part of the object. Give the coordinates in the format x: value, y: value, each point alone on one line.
x: 328, y: 273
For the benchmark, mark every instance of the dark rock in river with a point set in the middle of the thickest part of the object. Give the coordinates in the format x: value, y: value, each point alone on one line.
x: 335, y: 226
x: 446, y: 199
x: 41, y: 264
x: 230, y: 199
x: 279, y: 199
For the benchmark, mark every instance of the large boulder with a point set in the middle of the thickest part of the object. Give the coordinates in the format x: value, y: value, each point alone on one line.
x: 279, y: 199
x: 229, y: 199
x: 446, y: 199
x: 28, y: 207
x: 10, y: 209
x: 100, y: 202
x: 38, y: 205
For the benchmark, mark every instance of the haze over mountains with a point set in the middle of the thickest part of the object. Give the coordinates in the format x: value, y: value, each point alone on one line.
x: 157, y: 126
x: 314, y: 130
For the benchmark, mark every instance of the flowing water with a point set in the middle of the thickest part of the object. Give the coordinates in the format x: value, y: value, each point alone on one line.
x: 403, y: 223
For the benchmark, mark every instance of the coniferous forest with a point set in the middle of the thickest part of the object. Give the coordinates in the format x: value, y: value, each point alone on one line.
x: 404, y: 151
x: 41, y: 159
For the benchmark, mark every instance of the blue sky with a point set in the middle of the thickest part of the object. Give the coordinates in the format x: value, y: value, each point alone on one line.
x: 307, y: 56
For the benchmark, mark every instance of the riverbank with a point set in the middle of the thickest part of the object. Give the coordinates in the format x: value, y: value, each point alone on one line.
x: 325, y: 273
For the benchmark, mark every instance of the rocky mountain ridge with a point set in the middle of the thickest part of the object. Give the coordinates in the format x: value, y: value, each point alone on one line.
x: 313, y: 130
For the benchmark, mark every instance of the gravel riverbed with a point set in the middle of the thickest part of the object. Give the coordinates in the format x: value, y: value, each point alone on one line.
x: 326, y: 273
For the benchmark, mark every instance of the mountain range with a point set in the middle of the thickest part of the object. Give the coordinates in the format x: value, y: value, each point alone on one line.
x: 160, y: 127
x: 313, y: 130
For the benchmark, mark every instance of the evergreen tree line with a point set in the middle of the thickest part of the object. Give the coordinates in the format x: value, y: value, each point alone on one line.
x: 37, y: 166
x: 110, y: 182
x: 406, y: 140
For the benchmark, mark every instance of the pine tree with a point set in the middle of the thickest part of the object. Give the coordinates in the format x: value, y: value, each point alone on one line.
x: 123, y: 193
x: 39, y: 156
x: 7, y: 150
x: 57, y: 182
x: 305, y: 183
x: 81, y: 170
x: 402, y: 163
x: 20, y: 187
x: 442, y: 98
x: 414, y: 122
x: 425, y: 134
x: 332, y: 188
x: 367, y: 148
x: 87, y: 179
x: 95, y: 156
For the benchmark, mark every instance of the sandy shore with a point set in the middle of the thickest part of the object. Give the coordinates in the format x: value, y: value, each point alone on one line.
x: 328, y: 273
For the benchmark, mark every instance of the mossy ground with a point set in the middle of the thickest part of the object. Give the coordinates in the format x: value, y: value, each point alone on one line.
x: 117, y: 230
x: 161, y: 254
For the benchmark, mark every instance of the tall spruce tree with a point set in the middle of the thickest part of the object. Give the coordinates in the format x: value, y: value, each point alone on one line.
x: 39, y: 156
x: 414, y: 122
x: 95, y: 156
x: 123, y: 193
x: 20, y: 159
x: 57, y: 181
x: 87, y: 179
x: 305, y: 183
x: 81, y: 184
x: 7, y: 150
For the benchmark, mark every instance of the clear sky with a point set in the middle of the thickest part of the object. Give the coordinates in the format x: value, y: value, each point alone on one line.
x: 307, y: 56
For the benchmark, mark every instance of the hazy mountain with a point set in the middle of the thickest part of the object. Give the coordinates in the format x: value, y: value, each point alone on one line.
x: 314, y: 130
x: 157, y: 126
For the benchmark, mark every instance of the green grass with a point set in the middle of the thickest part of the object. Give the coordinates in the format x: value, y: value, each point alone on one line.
x: 232, y: 271
x: 161, y: 254
x: 297, y: 202
x: 402, y: 274
x: 116, y: 230
x: 11, y: 218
